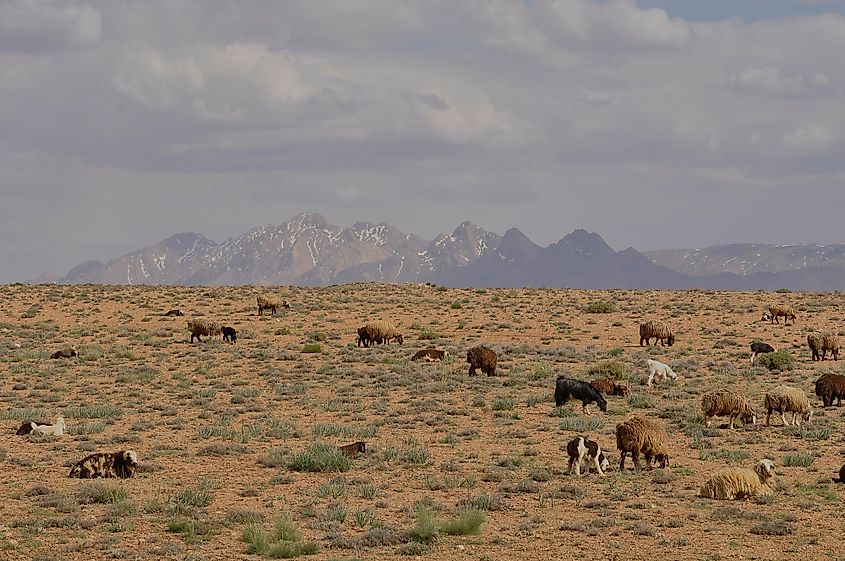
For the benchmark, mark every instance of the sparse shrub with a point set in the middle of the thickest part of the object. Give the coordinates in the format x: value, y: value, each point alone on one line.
x: 312, y: 348
x: 320, y: 457
x: 798, y: 460
x: 778, y: 360
x: 599, y: 308
x: 607, y: 369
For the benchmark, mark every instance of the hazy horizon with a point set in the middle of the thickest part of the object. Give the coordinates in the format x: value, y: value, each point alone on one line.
x: 657, y: 124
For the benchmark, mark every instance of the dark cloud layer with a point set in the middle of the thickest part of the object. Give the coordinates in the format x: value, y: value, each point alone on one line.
x: 123, y: 122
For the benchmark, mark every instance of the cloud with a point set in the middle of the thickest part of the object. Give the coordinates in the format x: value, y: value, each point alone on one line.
x: 41, y: 26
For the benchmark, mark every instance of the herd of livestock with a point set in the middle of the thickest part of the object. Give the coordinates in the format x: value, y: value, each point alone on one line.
x: 637, y: 436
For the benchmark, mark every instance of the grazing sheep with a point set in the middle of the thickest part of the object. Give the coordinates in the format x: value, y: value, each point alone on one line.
x: 378, y: 332
x: 352, y: 450
x: 723, y: 403
x: 785, y: 399
x: 199, y: 326
x: 657, y: 368
x: 580, y: 449
x: 610, y: 387
x: 640, y: 435
x: 106, y: 464
x: 229, y: 334
x: 429, y: 355
x: 483, y: 358
x: 566, y: 388
x: 65, y: 353
x: 39, y: 427
x: 822, y: 344
x: 172, y: 313
x: 272, y: 304
x: 829, y: 387
x: 740, y: 483
x: 778, y: 310
x: 842, y: 474
x: 758, y: 348
x: 657, y: 330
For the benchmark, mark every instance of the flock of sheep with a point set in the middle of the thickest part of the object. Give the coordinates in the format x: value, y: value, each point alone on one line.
x: 636, y: 436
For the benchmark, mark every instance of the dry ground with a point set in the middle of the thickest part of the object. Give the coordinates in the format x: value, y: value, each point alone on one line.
x: 217, y: 426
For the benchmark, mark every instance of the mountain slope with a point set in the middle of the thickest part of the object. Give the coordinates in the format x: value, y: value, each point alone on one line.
x: 745, y: 259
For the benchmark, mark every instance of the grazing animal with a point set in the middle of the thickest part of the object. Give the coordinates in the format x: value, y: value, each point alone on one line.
x: 758, y: 348
x: 429, y: 355
x: 566, y: 388
x: 354, y: 449
x: 780, y: 310
x: 726, y: 403
x: 229, y: 334
x: 639, y: 435
x: 658, y: 331
x: 822, y: 344
x: 379, y: 332
x: 740, y: 483
x: 829, y: 387
x: 610, y: 387
x: 199, y: 326
x: 786, y: 399
x: 65, y: 353
x: 172, y: 313
x: 657, y: 368
x: 39, y: 427
x: 483, y: 358
x: 842, y: 474
x: 272, y: 304
x: 580, y: 449
x: 106, y: 464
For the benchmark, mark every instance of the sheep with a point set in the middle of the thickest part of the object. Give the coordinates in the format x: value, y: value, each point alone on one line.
x: 610, y: 387
x: 199, y: 326
x: 566, y: 388
x: 106, y: 464
x: 381, y: 331
x: 269, y: 303
x: 842, y: 474
x: 829, y: 387
x: 580, y: 449
x: 657, y: 368
x: 229, y: 334
x: 657, y: 330
x: 171, y: 313
x: 39, y: 427
x: 640, y: 435
x: 785, y: 399
x: 726, y: 403
x: 483, y: 358
x: 758, y: 348
x: 740, y: 483
x: 429, y: 355
x: 823, y: 343
x: 352, y: 450
x: 778, y: 310
x: 65, y: 353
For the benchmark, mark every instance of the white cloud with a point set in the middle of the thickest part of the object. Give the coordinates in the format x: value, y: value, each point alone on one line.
x: 41, y: 25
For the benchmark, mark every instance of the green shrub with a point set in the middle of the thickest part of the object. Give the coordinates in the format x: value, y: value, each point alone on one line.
x: 798, y: 460
x: 312, y: 348
x: 599, y: 308
x: 320, y: 457
x: 468, y: 523
x: 607, y: 369
x: 778, y: 360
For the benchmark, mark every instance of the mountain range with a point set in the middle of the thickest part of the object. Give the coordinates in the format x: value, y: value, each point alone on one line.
x: 307, y: 250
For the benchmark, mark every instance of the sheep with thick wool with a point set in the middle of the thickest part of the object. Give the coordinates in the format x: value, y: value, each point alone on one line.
x: 821, y: 344
x: 781, y: 310
x: 659, y: 370
x: 378, y: 332
x: 830, y: 387
x: 200, y: 326
x: 724, y: 403
x: 786, y: 399
x: 741, y: 483
x: 639, y: 435
x: 270, y: 303
x: 609, y: 386
x: 656, y: 330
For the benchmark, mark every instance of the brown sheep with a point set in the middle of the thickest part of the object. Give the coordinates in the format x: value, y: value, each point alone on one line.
x: 640, y: 435
x: 429, y: 355
x: 174, y: 313
x: 199, y: 326
x: 829, y: 387
x: 483, y: 358
x: 609, y: 387
x: 354, y: 449
x: 822, y: 344
x: 658, y: 331
x: 268, y: 303
x: 781, y: 310
x: 106, y: 464
x: 65, y: 353
x: 378, y: 332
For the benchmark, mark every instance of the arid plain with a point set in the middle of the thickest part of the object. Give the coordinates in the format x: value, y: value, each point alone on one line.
x: 222, y: 430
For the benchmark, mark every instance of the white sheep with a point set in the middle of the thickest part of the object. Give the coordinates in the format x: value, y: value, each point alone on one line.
x: 36, y: 427
x: 740, y: 483
x: 726, y: 403
x: 657, y: 368
x: 785, y: 399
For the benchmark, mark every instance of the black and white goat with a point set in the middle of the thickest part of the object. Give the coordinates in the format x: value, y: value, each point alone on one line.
x: 581, y: 449
x: 758, y: 348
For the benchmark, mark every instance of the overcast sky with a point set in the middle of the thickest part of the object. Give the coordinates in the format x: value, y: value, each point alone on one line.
x: 673, y: 123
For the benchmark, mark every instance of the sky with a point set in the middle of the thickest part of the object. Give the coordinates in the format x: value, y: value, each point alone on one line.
x: 656, y: 123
